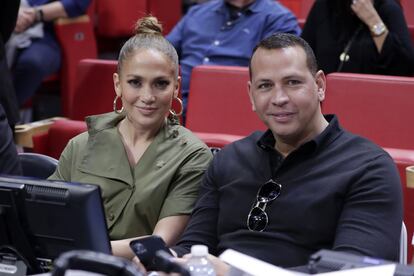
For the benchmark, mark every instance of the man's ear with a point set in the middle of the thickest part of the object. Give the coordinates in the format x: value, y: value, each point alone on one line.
x: 249, y: 91
x: 320, y: 80
x: 117, y: 84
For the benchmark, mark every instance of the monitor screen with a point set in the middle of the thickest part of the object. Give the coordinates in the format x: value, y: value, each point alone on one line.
x: 41, y: 219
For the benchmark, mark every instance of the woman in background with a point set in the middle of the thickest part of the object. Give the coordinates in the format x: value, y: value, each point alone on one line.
x: 147, y: 165
x: 360, y: 36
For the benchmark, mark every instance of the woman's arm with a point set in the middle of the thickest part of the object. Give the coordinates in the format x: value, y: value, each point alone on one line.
x: 366, y: 11
x: 171, y: 228
x: 168, y: 228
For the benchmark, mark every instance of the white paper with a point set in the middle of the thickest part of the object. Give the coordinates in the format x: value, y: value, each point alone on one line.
x: 253, y: 266
x: 378, y: 270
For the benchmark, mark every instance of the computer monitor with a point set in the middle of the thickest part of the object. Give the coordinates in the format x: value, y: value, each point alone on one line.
x: 41, y: 219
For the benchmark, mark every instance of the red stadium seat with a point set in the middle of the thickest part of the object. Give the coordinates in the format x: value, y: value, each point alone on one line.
x: 94, y: 89
x: 300, y: 8
x: 217, y: 140
x: 55, y: 139
x: 293, y: 5
x: 404, y: 159
x: 77, y: 41
x: 117, y: 18
x: 408, y: 9
x: 219, y: 103
x: 305, y: 8
x: 379, y: 108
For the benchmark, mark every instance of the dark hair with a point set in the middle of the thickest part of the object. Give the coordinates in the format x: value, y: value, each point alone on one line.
x: 148, y: 35
x: 284, y: 40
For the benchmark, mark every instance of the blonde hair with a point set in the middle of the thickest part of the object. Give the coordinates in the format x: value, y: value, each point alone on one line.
x: 148, y: 35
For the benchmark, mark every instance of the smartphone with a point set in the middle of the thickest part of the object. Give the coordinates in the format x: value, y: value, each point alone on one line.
x: 145, y: 249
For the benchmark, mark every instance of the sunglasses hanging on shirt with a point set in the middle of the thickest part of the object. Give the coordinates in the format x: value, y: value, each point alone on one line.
x: 258, y: 219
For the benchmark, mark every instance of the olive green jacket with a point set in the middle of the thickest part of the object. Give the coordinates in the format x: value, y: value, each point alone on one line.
x: 163, y: 183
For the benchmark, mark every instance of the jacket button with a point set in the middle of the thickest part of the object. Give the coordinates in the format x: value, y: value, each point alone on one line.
x: 111, y: 216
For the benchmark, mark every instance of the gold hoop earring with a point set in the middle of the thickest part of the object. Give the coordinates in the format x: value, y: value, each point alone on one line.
x: 172, y: 111
x: 117, y: 111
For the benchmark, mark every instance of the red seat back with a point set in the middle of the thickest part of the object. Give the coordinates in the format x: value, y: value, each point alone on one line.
x: 117, y: 18
x: 403, y: 159
x: 94, y: 90
x: 377, y: 107
x: 300, y: 8
x: 168, y: 12
x: 408, y: 9
x: 77, y: 40
x: 55, y: 140
x: 219, y: 103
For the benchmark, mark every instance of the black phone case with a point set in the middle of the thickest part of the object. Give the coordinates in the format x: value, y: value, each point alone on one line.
x: 145, y: 249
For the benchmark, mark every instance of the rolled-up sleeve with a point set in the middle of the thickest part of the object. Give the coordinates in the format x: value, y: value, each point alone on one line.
x: 75, y: 7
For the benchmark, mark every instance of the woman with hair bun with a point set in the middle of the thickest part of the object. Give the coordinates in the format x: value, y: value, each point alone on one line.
x: 147, y: 165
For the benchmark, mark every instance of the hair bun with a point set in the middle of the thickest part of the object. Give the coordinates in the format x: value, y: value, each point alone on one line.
x: 148, y: 25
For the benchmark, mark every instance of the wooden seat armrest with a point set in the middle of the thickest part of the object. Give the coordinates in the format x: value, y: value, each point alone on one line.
x: 23, y: 133
x: 410, y: 177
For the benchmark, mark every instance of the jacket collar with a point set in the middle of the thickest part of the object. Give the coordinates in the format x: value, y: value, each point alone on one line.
x: 105, y: 152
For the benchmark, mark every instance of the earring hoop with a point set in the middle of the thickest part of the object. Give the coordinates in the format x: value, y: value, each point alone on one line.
x: 117, y: 111
x: 172, y: 111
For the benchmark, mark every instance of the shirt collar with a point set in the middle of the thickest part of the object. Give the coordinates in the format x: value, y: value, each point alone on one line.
x: 330, y: 133
x: 256, y: 6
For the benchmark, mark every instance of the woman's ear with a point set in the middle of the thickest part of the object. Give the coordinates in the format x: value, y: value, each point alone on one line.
x: 177, y: 86
x: 117, y: 84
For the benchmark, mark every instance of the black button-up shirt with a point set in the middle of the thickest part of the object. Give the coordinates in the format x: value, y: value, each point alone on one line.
x: 339, y: 191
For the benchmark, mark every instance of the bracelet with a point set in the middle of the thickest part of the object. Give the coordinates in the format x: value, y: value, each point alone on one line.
x: 39, y: 15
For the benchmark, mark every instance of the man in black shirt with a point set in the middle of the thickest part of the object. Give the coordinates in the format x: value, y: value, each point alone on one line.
x: 304, y: 184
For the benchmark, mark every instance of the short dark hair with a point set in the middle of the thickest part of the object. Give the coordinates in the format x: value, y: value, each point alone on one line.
x: 284, y: 40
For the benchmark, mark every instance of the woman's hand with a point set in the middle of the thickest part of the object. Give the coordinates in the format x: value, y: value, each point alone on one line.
x: 366, y: 11
x: 25, y: 19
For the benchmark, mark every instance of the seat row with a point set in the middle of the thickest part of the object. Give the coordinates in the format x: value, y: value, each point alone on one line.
x: 113, y: 19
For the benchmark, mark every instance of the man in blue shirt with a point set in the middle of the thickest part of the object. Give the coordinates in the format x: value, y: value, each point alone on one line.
x: 224, y: 32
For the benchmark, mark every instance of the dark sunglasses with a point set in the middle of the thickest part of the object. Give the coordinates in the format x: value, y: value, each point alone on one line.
x: 257, y: 219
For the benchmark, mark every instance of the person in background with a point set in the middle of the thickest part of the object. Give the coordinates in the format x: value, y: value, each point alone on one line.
x: 303, y: 185
x: 34, y: 52
x: 148, y: 166
x: 224, y: 32
x: 9, y: 160
x: 360, y: 36
x: 186, y: 4
x: 8, y: 16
